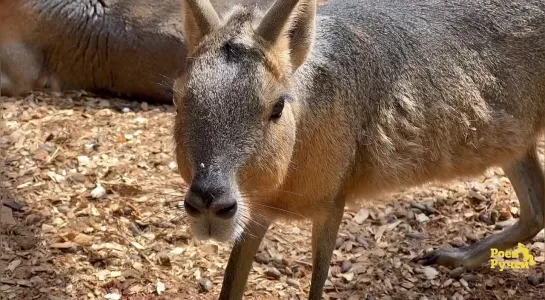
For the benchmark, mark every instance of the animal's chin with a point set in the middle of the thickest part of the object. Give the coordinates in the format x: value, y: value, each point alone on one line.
x: 217, y: 231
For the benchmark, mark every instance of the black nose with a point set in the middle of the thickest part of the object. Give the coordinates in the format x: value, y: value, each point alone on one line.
x: 202, y: 198
x: 226, y: 210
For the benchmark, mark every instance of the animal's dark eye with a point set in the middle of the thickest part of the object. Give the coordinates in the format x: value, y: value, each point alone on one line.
x: 278, y: 108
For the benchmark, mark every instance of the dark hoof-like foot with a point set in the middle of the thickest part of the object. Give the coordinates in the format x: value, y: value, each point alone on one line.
x: 450, y: 257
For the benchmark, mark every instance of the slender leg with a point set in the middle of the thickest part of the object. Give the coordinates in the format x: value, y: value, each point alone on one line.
x: 324, y: 234
x: 241, y: 259
x: 526, y: 176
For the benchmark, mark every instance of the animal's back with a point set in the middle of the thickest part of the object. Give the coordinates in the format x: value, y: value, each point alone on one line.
x: 433, y: 89
x: 128, y: 47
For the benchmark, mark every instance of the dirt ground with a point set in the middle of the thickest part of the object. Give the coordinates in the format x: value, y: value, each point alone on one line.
x: 92, y: 211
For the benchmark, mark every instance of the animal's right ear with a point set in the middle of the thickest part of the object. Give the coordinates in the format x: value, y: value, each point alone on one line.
x: 200, y: 19
x: 289, y: 25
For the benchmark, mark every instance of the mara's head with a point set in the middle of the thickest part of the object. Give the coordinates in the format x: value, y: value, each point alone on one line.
x: 237, y: 110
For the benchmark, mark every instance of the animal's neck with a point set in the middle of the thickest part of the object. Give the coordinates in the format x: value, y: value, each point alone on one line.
x: 332, y: 74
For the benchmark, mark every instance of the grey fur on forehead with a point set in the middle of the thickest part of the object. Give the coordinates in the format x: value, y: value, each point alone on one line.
x: 239, y: 15
x: 238, y: 21
x: 235, y: 42
x: 237, y: 30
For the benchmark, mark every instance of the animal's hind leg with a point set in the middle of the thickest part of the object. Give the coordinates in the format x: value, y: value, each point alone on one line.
x: 526, y: 176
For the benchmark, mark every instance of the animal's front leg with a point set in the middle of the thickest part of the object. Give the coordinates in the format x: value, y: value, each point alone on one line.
x: 241, y: 259
x: 526, y: 176
x: 324, y: 234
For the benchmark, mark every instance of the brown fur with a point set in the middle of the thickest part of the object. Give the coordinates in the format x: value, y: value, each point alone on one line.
x: 8, y: 12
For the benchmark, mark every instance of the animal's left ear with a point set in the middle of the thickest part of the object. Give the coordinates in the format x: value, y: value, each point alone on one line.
x: 200, y: 19
x: 294, y: 20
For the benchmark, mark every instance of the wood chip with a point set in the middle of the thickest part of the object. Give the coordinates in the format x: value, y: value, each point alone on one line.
x: 430, y: 272
x: 13, y: 265
x: 160, y: 287
x: 361, y: 216
x: 65, y: 245
x: 6, y: 216
x: 83, y: 239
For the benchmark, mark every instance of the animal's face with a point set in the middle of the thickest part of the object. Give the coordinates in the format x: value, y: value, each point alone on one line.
x: 236, y: 125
